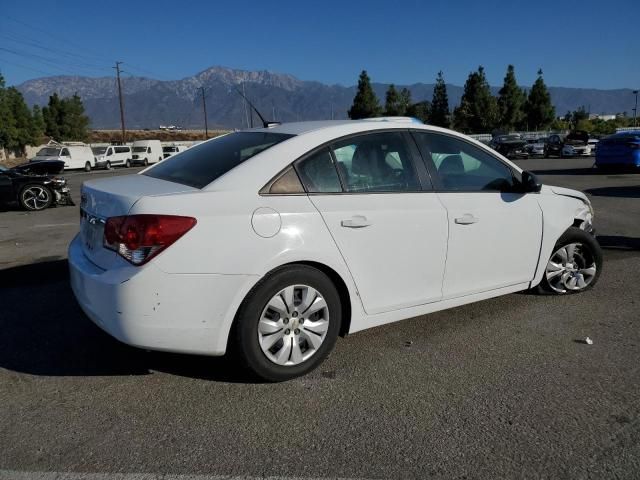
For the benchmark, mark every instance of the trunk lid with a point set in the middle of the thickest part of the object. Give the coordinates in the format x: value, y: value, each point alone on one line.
x: 111, y: 197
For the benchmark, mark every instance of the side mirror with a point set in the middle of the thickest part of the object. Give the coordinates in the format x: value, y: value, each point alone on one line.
x: 530, y: 183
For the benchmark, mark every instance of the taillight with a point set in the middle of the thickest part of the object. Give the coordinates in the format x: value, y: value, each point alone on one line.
x: 139, y: 238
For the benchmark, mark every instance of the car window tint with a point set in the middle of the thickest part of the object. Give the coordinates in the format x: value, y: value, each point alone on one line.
x: 65, y: 152
x: 461, y: 166
x: 377, y: 162
x: 318, y: 173
x: 200, y: 165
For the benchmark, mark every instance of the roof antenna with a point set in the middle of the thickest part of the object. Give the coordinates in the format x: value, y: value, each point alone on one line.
x: 265, y: 123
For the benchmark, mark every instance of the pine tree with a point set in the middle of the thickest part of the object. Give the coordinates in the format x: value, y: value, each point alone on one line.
x: 365, y: 103
x: 404, y: 101
x: 540, y: 112
x: 65, y: 119
x: 478, y: 110
x: 440, y: 103
x: 511, y: 100
x: 392, y: 101
x: 420, y: 110
x: 52, y: 117
x: 37, y: 124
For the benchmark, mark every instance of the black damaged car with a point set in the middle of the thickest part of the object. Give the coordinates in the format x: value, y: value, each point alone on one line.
x: 34, y: 185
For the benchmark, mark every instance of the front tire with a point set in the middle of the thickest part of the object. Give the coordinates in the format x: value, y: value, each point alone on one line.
x: 288, y: 324
x: 35, y: 197
x: 146, y: 162
x: 87, y: 167
x: 128, y: 164
x: 108, y: 166
x: 575, y: 264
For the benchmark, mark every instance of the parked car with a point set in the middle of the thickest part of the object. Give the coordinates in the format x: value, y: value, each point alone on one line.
x: 620, y: 150
x: 169, y: 150
x: 554, y: 145
x: 511, y: 146
x: 75, y: 155
x: 33, y: 186
x: 576, y: 144
x: 536, y: 147
x: 273, y: 242
x: 146, y: 152
x: 112, y: 156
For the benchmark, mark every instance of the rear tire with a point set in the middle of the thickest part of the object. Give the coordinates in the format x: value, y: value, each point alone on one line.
x: 35, y: 197
x: 575, y: 264
x: 87, y: 167
x: 288, y: 323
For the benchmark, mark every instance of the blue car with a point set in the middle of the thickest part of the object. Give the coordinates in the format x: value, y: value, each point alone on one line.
x: 619, y: 150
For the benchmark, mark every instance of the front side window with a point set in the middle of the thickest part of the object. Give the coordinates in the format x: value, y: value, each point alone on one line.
x: 200, y: 165
x: 377, y: 162
x: 65, y: 152
x: 461, y: 166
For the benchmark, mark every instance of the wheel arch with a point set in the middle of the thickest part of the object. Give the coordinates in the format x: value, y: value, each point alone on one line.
x: 334, y: 276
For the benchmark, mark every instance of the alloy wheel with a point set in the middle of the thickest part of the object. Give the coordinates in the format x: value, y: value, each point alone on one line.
x: 36, y: 198
x: 571, y: 268
x: 293, y: 325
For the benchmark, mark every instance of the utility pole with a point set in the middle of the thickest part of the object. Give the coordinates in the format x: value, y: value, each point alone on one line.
x: 118, y: 71
x: 204, y: 107
x: 635, y: 110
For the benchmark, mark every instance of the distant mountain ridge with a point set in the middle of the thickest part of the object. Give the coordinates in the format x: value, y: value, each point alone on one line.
x: 282, y: 97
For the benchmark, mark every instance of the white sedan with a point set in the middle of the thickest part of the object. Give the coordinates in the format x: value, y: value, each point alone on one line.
x: 272, y: 242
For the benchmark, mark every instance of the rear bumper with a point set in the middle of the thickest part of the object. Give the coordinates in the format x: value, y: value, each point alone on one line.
x: 148, y: 308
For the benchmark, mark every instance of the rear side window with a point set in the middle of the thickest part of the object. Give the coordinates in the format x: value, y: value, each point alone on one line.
x: 200, y: 165
x: 318, y: 173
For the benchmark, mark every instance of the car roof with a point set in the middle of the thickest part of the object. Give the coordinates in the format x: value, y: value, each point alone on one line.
x: 300, y: 128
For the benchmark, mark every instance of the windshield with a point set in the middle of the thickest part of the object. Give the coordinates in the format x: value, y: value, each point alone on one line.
x: 48, y: 152
x: 201, y: 165
x: 169, y: 149
x: 3, y: 168
x: 99, y: 150
x: 139, y: 149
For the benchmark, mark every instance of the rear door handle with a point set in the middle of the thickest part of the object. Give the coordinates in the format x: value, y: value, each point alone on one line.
x: 467, y: 219
x: 357, y: 221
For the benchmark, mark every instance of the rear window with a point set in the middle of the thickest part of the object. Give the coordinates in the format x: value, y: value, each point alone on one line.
x: 200, y: 165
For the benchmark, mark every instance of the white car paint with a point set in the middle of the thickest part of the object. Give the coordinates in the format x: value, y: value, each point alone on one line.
x: 414, y: 257
x: 149, y: 151
x: 74, y: 155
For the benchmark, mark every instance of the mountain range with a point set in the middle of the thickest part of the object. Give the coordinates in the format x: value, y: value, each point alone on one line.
x: 150, y: 103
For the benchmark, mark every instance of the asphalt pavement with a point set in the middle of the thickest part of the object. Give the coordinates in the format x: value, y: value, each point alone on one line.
x: 503, y: 388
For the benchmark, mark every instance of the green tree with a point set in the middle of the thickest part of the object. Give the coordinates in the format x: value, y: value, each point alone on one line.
x: 37, y: 124
x: 420, y: 110
x: 478, y: 109
x: 64, y: 118
x: 511, y: 100
x: 578, y: 116
x: 52, y: 115
x: 392, y: 101
x: 540, y: 112
x: 440, y: 103
x: 365, y: 103
x: 16, y: 122
x: 405, y: 101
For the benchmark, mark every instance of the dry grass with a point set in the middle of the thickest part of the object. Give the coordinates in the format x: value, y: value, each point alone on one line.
x: 107, y: 136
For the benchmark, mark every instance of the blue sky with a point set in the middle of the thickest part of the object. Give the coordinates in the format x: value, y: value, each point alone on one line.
x: 577, y: 43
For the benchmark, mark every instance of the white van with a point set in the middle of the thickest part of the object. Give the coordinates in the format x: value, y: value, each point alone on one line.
x: 73, y: 154
x: 146, y: 152
x: 169, y: 150
x: 112, y: 155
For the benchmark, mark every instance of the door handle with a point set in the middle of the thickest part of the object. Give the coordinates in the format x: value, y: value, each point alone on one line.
x: 467, y: 219
x: 357, y: 221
